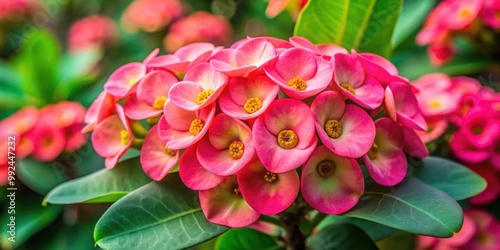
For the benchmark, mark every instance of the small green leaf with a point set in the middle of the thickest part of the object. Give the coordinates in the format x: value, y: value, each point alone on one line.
x: 411, y: 206
x: 160, y: 215
x: 245, y: 239
x: 450, y: 177
x: 364, y: 25
x: 102, y: 186
x: 411, y: 18
x: 374, y: 230
x: 341, y: 236
x: 41, y: 177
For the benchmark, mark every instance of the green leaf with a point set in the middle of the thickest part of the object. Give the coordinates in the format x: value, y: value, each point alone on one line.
x: 245, y: 239
x: 364, y: 25
x: 30, y: 217
x: 341, y: 236
x: 411, y: 206
x: 412, y: 15
x: 102, y: 186
x: 374, y: 230
x: 160, y: 215
x: 41, y: 177
x: 450, y: 177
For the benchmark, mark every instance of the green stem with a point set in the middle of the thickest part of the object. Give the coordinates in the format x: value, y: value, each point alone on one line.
x: 314, y: 222
x: 137, y: 143
x: 138, y: 129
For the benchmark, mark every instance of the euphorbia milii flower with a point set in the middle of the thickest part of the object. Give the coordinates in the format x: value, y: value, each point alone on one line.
x: 380, y: 68
x: 386, y: 161
x: 228, y: 146
x: 156, y: 158
x: 62, y: 114
x: 492, y: 190
x: 284, y: 136
x: 246, y: 98
x: 182, y: 128
x: 225, y: 205
x: 193, y: 174
x: 350, y: 78
x: 479, y: 127
x: 184, y: 58
x: 300, y: 73
x: 455, y: 242
x: 413, y: 144
x: 464, y: 150
x: 268, y: 193
x: 152, y: 94
x: 112, y: 137
x: 48, y: 142
x: 101, y: 108
x: 346, y: 130
x: 123, y: 81
x: 402, y: 106
x: 201, y: 87
x: 248, y: 56
x: 488, y: 229
x: 331, y: 184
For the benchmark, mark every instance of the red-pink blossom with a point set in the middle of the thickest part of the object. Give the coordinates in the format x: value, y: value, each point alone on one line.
x: 151, y: 15
x: 193, y: 174
x: 156, y: 158
x: 95, y: 31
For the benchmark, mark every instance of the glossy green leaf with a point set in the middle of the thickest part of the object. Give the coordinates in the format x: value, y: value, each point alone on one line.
x: 364, y: 25
x: 41, y: 177
x: 160, y: 215
x: 102, y: 186
x: 412, y: 15
x: 245, y: 239
x: 340, y: 236
x: 452, y: 178
x: 411, y: 206
x: 30, y: 217
x: 374, y: 230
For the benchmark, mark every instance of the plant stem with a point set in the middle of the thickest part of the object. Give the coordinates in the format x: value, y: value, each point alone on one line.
x: 314, y: 222
x: 294, y: 238
x: 272, y: 220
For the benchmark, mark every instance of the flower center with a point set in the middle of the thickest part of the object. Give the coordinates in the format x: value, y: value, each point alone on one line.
x: 203, y: 96
x: 236, y: 191
x: 325, y: 168
x: 170, y: 151
x: 333, y: 128
x: 270, y: 177
x: 464, y: 13
x: 159, y: 102
x: 372, y: 153
x: 236, y: 149
x: 287, y: 139
x: 297, y: 83
x: 347, y: 87
x: 252, y: 105
x: 132, y: 81
x: 125, y: 137
x: 196, y: 126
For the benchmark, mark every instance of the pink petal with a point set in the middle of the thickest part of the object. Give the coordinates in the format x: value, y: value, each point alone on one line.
x: 389, y: 168
x: 155, y: 160
x: 464, y: 150
x: 413, y: 144
x: 254, y: 52
x: 348, y: 70
x: 193, y: 174
x: 138, y: 110
x: 122, y: 81
x: 300, y: 42
x: 296, y: 62
x: 328, y: 105
x: 178, y: 118
x: 183, y: 95
x: 106, y: 137
x: 154, y: 84
x: 369, y: 95
x: 206, y: 77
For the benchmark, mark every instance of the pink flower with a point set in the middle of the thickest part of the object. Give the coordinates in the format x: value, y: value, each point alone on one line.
x: 463, y: 149
x: 12, y: 10
x: 284, y: 136
x: 122, y: 82
x: 478, y: 127
x: 228, y: 146
x: 386, y: 161
x: 350, y: 78
x: 413, y: 145
x: 441, y: 52
x: 184, y: 58
x: 95, y: 31
x: 275, y: 7
x: 435, y: 128
x: 151, y: 96
x: 101, y: 108
x: 182, y: 128
x: 346, y: 130
x: 492, y: 177
x: 300, y: 73
x: 249, y: 56
x: 198, y: 27
x: 331, y: 184
x: 151, y: 15
x: 376, y: 66
x: 266, y: 192
x: 436, y: 94
x: 156, y: 158
x: 113, y: 137
x: 201, y: 87
x: 489, y: 13
x: 247, y: 98
x: 225, y: 205
x: 455, y: 242
x: 193, y: 174
x: 48, y: 142
x: 402, y: 106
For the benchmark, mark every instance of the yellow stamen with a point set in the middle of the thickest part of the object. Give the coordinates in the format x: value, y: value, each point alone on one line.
x: 287, y: 139
x: 236, y: 149
x: 270, y: 177
x: 170, y: 151
x: 333, y: 128
x: 464, y: 13
x: 347, y: 87
x: 297, y: 83
x: 236, y: 191
x: 325, y: 168
x: 159, y: 102
x: 435, y: 103
x: 252, y: 105
x: 196, y: 126
x: 125, y: 137
x: 203, y: 96
x: 372, y: 153
x: 132, y: 81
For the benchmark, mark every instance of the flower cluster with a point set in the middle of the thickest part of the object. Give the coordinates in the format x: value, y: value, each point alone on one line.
x: 94, y: 31
x: 45, y: 133
x: 151, y: 15
x: 12, y: 10
x: 475, y: 19
x: 241, y: 121
x: 473, y: 111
